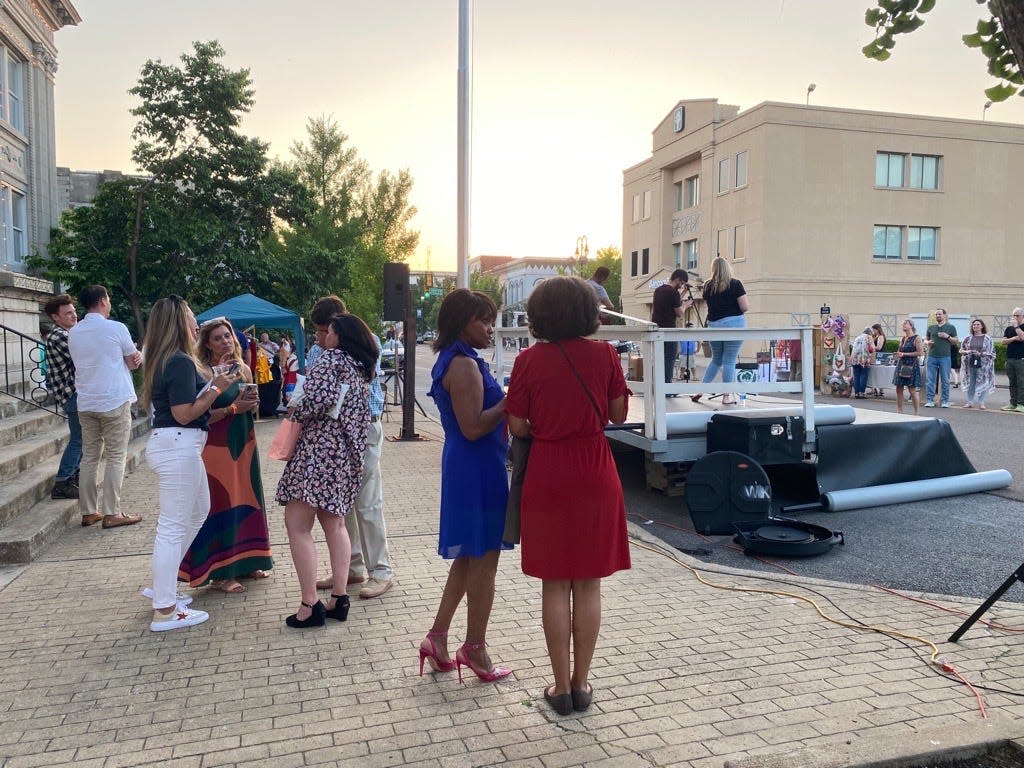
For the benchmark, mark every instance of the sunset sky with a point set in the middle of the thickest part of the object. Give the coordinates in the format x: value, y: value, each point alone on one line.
x: 565, y: 92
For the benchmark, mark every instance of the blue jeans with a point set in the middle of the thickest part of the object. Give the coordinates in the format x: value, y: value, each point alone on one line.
x: 73, y: 451
x: 860, y: 379
x: 938, y: 367
x: 724, y: 353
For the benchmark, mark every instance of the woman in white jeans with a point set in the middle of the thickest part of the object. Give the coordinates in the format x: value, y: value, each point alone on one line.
x: 181, y: 402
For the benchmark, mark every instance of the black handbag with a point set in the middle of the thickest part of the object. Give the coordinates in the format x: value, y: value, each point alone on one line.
x: 906, y: 370
x: 975, y: 361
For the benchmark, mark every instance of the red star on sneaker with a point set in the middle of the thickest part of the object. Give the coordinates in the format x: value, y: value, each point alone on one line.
x: 182, y: 616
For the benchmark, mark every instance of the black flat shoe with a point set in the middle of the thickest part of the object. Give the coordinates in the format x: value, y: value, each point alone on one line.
x: 696, y: 398
x: 316, y: 618
x: 581, y: 699
x: 562, y: 703
x: 340, y: 610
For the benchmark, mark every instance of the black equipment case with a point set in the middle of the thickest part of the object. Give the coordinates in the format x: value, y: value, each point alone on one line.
x: 765, y: 438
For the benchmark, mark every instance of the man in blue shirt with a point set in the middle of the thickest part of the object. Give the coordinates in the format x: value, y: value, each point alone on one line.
x: 366, y: 527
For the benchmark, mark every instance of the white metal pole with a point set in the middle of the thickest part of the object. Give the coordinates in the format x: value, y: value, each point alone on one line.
x: 464, y: 134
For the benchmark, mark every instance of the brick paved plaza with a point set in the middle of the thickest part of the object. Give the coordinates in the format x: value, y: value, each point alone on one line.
x: 685, y: 674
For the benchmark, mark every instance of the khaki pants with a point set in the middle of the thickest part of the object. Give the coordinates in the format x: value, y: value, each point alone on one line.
x: 105, y: 434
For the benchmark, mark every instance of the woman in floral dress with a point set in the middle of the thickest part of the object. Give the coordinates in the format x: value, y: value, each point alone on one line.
x: 321, y: 479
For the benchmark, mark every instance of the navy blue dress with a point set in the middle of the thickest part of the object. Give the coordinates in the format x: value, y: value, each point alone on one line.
x: 474, y: 482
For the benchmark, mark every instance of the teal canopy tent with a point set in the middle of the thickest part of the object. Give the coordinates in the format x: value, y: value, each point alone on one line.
x: 246, y: 310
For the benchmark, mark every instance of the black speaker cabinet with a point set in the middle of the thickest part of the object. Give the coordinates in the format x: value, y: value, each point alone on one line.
x: 396, y: 291
x: 764, y: 438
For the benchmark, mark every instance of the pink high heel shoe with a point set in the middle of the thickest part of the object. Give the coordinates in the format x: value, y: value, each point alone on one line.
x: 462, y: 660
x: 429, y: 651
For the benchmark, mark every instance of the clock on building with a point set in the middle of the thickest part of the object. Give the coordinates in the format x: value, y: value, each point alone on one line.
x: 679, y: 118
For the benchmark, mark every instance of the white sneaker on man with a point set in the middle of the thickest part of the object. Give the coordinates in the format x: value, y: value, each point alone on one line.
x: 929, y: 404
x: 179, y: 618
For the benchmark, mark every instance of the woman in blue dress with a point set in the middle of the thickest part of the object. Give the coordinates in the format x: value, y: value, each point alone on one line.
x: 474, y: 483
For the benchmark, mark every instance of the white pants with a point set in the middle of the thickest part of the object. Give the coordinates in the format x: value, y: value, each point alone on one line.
x: 365, y: 524
x: 176, y: 455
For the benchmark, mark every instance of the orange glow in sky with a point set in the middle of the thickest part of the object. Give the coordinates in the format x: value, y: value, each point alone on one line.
x: 566, y: 93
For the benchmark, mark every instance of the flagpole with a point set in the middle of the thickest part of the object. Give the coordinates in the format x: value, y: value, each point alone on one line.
x: 464, y: 148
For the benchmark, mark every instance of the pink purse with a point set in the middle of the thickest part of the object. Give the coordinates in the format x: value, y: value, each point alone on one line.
x: 282, y: 447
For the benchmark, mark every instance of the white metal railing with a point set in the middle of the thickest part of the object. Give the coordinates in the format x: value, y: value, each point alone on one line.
x: 650, y: 341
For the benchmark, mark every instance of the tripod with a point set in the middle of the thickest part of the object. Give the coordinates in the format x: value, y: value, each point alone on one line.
x: 1017, y: 575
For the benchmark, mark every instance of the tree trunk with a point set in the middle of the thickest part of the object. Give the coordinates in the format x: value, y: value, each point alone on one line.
x: 1011, y: 17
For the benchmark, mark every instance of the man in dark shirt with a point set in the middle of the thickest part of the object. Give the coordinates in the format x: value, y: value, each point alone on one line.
x: 1013, y: 338
x: 666, y: 307
x: 941, y: 338
x: 60, y: 379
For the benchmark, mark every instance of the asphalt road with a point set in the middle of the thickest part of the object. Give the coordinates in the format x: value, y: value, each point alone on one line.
x: 965, y: 545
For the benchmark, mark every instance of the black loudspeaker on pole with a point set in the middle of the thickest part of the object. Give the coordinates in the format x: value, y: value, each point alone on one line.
x: 398, y: 307
x: 396, y: 292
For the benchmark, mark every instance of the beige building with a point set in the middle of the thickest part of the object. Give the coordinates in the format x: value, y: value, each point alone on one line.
x: 875, y: 215
x: 29, y: 198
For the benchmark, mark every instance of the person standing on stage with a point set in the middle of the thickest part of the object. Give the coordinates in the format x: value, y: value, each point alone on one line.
x: 667, y: 305
x: 940, y: 339
x: 1013, y: 338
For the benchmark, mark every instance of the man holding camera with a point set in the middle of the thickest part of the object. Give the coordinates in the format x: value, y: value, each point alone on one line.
x: 941, y: 338
x: 1013, y: 338
x: 667, y: 305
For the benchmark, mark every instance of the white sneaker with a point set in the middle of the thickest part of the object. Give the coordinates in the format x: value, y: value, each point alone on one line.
x: 181, y: 600
x: 929, y: 404
x: 945, y: 405
x: 177, y: 619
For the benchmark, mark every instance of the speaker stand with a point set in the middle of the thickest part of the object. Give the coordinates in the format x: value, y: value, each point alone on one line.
x: 1017, y: 575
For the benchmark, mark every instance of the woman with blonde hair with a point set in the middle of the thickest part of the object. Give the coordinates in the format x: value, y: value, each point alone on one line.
x: 908, y: 367
x: 727, y: 303
x: 181, y: 401
x: 234, y: 542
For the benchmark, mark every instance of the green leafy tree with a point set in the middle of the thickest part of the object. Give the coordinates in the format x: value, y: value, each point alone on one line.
x: 489, y: 284
x: 359, y: 222
x: 610, y: 256
x: 194, y: 223
x: 1000, y: 37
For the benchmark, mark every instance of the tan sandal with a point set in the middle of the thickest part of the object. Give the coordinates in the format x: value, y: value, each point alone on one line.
x: 228, y: 587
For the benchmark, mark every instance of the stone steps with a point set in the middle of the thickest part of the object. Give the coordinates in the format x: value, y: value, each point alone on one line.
x: 32, y: 443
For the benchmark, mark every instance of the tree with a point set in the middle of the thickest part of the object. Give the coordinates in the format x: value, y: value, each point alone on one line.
x: 1000, y: 37
x: 194, y: 223
x: 489, y: 284
x: 610, y: 256
x: 358, y: 223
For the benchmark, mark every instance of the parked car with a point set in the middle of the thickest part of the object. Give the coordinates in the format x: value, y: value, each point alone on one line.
x: 389, y: 349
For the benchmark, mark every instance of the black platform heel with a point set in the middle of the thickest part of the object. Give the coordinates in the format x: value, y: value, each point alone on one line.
x: 316, y: 618
x: 340, y: 609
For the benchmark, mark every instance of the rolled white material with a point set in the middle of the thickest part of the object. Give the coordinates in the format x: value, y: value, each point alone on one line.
x: 918, y: 490
x: 696, y: 422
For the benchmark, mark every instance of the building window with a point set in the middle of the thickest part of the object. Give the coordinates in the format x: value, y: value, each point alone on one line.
x: 739, y: 242
x: 645, y: 260
x: 636, y: 208
x: 888, y: 242
x: 889, y: 169
x: 723, y: 243
x: 741, y: 169
x: 921, y: 243
x: 723, y: 175
x: 924, y: 172
x: 633, y: 264
x: 647, y: 205
x: 13, y: 218
x: 677, y: 255
x: 12, y: 89
x: 690, y: 249
x: 677, y: 190
x: 691, y: 196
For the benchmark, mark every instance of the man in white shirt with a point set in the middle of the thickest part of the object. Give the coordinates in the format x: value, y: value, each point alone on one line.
x: 104, y: 354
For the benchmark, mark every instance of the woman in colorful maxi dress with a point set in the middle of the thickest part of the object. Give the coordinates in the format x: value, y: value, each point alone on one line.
x: 234, y: 542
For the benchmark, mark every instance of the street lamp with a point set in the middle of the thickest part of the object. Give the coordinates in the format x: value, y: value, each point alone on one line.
x: 581, y: 253
x: 985, y: 109
x: 810, y: 88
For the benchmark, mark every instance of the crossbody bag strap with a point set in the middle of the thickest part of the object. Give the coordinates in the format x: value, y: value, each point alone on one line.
x: 579, y: 378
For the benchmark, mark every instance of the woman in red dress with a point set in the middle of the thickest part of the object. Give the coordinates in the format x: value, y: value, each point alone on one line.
x: 561, y: 394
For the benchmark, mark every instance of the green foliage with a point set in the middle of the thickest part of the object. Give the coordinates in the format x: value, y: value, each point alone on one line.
x: 610, y: 256
x: 194, y: 224
x: 1000, y: 37
x: 488, y: 284
x: 358, y: 224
